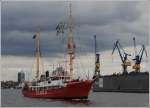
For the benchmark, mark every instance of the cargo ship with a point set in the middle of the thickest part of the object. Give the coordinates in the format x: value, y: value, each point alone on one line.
x: 61, y: 84
x: 135, y: 81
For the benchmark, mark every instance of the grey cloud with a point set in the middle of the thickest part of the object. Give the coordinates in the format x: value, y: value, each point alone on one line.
x: 108, y: 20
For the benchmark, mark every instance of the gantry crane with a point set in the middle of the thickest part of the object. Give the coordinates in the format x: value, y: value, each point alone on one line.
x: 97, y: 59
x: 123, y: 55
x: 138, y: 57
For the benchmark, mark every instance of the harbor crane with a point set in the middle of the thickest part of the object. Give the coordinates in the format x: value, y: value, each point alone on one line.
x: 138, y: 57
x: 97, y: 59
x: 123, y: 55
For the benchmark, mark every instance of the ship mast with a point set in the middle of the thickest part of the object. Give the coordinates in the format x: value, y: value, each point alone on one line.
x: 37, y: 53
x: 70, y: 42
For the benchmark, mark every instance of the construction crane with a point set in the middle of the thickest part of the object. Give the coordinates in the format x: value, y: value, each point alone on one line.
x: 97, y: 59
x: 138, y: 57
x: 123, y: 55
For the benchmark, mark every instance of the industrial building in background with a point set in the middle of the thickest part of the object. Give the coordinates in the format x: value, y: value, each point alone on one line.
x: 21, y: 77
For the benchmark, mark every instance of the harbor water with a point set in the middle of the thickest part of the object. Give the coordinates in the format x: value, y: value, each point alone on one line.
x: 14, y: 98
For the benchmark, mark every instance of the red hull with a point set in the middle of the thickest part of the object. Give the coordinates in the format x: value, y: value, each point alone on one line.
x: 78, y: 89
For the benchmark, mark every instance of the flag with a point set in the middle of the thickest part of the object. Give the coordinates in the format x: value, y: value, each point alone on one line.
x: 34, y: 36
x: 60, y: 28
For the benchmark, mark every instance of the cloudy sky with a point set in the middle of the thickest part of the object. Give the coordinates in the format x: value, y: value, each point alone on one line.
x: 109, y: 20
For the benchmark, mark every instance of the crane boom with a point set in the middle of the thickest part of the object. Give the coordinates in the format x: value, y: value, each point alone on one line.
x: 116, y: 46
x: 143, y: 49
x: 95, y: 43
x: 135, y: 50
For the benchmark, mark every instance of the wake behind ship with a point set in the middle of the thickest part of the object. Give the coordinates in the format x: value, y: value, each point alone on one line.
x: 59, y: 85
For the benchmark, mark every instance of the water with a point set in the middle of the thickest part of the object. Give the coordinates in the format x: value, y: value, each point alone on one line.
x: 14, y: 98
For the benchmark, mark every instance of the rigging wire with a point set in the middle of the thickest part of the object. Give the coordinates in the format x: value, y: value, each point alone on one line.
x: 40, y: 57
x: 79, y: 64
x: 33, y: 61
x: 80, y: 54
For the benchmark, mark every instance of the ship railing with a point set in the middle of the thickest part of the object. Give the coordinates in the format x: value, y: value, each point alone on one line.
x: 41, y: 88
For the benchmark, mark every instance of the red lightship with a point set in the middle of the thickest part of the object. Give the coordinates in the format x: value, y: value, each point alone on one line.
x: 62, y: 84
